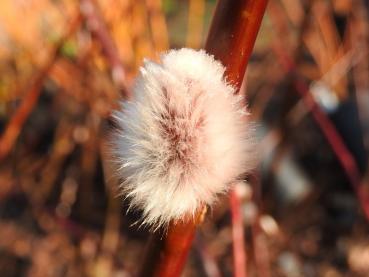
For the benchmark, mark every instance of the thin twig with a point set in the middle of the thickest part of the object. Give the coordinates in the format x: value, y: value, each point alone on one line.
x: 328, y: 129
x: 97, y: 27
x: 17, y: 121
x: 239, y: 252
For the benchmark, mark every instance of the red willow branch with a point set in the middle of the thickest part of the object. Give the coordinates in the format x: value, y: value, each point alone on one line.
x: 17, y: 121
x: 232, y: 35
x: 167, y: 251
x: 231, y: 40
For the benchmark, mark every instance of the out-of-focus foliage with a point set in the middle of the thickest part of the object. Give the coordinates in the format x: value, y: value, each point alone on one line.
x: 59, y: 210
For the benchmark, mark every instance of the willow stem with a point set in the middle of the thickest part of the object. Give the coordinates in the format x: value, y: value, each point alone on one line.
x: 232, y: 35
x: 231, y: 39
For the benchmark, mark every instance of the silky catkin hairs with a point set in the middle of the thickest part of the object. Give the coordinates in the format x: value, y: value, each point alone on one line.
x: 182, y: 139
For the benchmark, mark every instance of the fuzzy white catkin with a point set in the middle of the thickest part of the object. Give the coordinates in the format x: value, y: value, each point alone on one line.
x: 182, y: 139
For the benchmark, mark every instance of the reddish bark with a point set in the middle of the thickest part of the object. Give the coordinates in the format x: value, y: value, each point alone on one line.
x: 231, y: 39
x: 232, y: 35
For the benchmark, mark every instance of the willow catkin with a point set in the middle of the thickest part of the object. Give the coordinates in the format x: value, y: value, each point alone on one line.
x: 182, y: 139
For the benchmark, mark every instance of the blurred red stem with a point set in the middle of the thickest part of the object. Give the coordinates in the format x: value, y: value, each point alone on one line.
x: 14, y: 127
x: 239, y: 253
x: 328, y: 129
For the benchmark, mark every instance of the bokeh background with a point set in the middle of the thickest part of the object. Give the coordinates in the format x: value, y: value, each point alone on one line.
x: 64, y: 64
